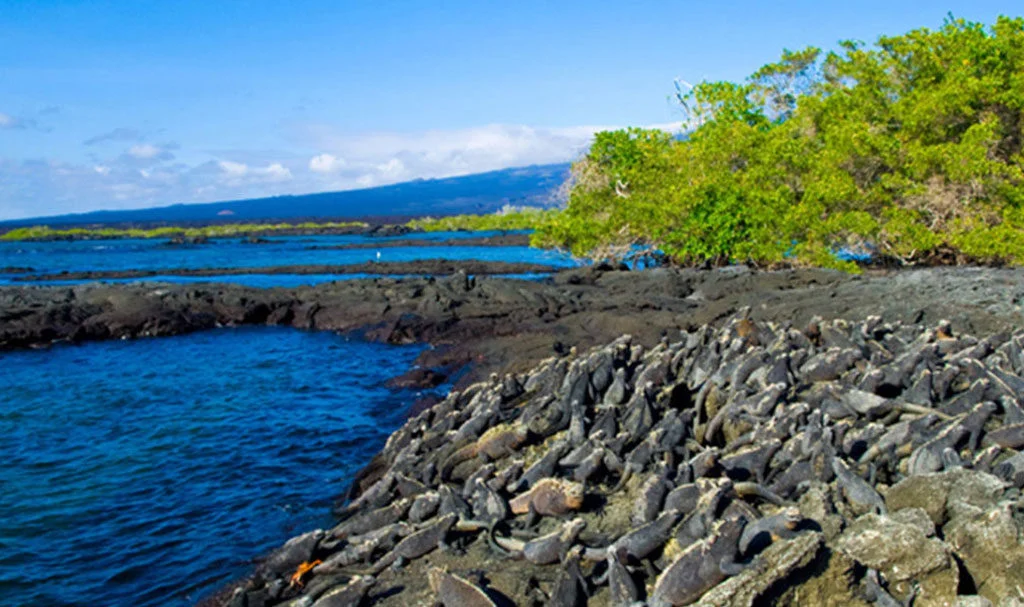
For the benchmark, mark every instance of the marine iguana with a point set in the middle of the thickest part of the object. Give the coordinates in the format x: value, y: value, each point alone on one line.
x: 642, y: 541
x: 758, y: 535
x: 451, y: 590
x: 508, y: 475
x: 928, y: 457
x: 621, y: 586
x: 651, y: 496
x: 481, y: 474
x: 486, y: 504
x: 496, y: 443
x: 549, y: 497
x: 417, y: 544
x: 350, y: 594
x: 750, y: 463
x: 374, y: 519
x: 857, y: 491
x: 618, y: 390
x: 591, y: 465
x: 542, y: 468
x: 1007, y: 437
x: 581, y: 451
x: 638, y: 458
x: 570, y: 588
x: 701, y: 566
x: 545, y: 549
x: 362, y: 547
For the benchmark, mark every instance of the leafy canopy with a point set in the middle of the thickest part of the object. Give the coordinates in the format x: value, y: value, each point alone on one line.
x: 902, y: 149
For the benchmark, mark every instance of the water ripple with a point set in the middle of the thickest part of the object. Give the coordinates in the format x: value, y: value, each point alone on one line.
x: 149, y: 472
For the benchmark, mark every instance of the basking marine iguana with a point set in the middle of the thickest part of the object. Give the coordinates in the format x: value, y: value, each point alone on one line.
x: 545, y: 549
x: 549, y: 497
x: 451, y: 590
x: 496, y: 443
x: 703, y: 565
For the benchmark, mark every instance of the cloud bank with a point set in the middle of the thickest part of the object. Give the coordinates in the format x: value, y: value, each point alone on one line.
x: 142, y: 173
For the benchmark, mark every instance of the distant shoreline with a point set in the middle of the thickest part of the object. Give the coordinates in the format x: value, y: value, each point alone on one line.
x: 180, y: 234
x: 419, y: 267
x: 501, y: 240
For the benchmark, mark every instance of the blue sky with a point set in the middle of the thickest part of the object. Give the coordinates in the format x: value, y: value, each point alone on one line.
x: 132, y: 104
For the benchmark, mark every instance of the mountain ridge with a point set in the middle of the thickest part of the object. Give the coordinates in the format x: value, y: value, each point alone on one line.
x: 533, y: 185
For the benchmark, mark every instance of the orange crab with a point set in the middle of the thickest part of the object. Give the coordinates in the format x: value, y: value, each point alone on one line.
x: 301, y: 571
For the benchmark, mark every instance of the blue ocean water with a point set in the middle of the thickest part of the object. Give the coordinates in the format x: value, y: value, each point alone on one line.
x: 146, y: 472
x: 155, y: 254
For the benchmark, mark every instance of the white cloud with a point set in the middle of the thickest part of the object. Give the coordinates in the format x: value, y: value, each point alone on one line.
x: 239, y: 173
x: 144, y: 151
x: 275, y: 172
x: 326, y: 163
x: 148, y: 174
x: 7, y: 121
x: 233, y: 169
x: 368, y: 159
x: 392, y: 168
x: 148, y: 154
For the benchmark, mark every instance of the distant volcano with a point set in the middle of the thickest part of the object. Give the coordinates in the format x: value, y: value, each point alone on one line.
x: 533, y: 186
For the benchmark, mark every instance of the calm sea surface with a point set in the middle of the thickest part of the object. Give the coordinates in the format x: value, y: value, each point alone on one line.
x: 147, y: 472
x: 155, y: 254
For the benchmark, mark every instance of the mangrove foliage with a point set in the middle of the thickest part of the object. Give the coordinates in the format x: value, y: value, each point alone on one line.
x: 526, y: 218
x: 908, y: 149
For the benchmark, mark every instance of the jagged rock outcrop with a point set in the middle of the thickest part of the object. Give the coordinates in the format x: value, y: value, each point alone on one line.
x: 754, y: 463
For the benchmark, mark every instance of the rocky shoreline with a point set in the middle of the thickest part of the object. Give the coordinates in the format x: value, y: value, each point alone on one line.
x: 835, y: 463
x: 509, y: 327
x: 501, y: 325
x: 435, y: 267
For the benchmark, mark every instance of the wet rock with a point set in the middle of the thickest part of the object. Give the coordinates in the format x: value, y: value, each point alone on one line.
x: 417, y: 378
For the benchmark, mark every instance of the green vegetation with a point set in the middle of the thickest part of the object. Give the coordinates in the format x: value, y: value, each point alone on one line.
x: 506, y: 219
x: 213, y: 231
x: 908, y: 149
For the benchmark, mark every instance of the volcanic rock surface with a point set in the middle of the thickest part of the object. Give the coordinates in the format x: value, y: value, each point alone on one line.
x: 826, y: 463
x: 764, y: 457
x: 425, y: 266
x: 504, y: 324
